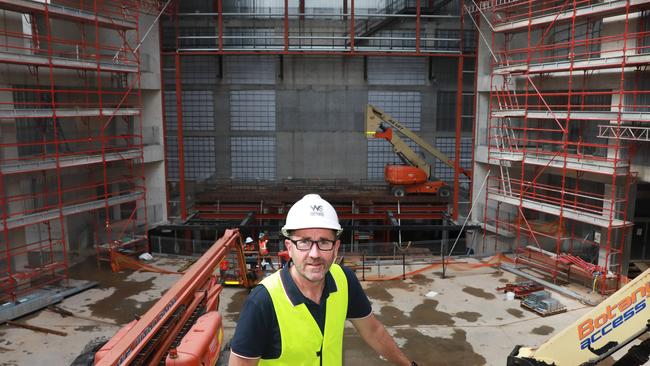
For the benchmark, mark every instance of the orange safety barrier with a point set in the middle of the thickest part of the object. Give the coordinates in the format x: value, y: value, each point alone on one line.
x: 493, y: 261
x: 120, y: 261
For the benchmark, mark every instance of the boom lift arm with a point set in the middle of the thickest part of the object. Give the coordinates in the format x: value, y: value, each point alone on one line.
x: 183, y: 327
x: 614, y: 323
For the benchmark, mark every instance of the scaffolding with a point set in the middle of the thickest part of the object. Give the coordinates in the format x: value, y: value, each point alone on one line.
x: 71, y: 151
x: 568, y: 104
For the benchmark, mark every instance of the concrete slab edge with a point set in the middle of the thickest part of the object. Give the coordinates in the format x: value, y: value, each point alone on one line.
x: 41, y: 299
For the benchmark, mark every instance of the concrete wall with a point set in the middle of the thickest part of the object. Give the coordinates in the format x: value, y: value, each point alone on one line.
x: 152, y: 121
x: 320, y: 103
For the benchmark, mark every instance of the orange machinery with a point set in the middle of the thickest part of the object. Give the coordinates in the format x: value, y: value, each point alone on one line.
x: 183, y: 327
x: 415, y: 176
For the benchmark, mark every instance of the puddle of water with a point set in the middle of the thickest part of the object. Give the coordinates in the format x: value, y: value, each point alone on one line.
x: 543, y: 330
x: 439, y: 351
x: 118, y: 307
x: 422, y: 280
x: 516, y: 313
x: 391, y: 316
x: 470, y: 316
x: 426, y: 314
x: 423, y: 314
x: 236, y: 304
x: 478, y: 292
x: 379, y: 293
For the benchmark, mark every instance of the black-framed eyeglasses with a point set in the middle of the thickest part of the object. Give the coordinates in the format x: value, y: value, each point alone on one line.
x: 306, y: 244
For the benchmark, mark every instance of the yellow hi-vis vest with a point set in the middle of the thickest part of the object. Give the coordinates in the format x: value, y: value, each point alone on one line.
x: 302, y: 341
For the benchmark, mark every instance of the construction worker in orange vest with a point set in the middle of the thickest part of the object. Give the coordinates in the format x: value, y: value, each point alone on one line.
x: 262, y: 242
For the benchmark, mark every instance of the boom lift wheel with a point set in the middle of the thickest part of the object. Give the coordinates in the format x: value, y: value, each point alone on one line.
x: 444, y: 191
x: 398, y: 191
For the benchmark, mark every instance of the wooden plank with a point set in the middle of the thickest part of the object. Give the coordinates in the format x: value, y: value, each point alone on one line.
x: 541, y: 313
x: 36, y: 329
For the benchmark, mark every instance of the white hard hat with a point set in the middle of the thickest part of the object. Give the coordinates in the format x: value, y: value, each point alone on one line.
x: 249, y: 240
x: 312, y: 211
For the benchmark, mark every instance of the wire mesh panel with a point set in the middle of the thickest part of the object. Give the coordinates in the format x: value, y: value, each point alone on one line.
x: 253, y: 157
x: 396, y: 71
x: 199, y: 70
x: 446, y: 112
x: 200, y: 157
x: 447, y: 145
x: 404, y: 107
x: 252, y: 110
x: 172, y: 158
x: 198, y: 110
x: 170, y: 110
x: 249, y: 70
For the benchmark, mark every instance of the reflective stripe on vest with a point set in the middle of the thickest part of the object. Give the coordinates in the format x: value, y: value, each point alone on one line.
x: 302, y: 341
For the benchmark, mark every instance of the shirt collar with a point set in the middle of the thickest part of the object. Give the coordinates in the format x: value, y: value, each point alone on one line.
x: 293, y: 292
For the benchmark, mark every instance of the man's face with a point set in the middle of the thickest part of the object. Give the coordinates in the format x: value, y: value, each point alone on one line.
x: 313, y: 264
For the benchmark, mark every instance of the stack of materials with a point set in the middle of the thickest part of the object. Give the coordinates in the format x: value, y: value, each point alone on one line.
x: 542, y: 303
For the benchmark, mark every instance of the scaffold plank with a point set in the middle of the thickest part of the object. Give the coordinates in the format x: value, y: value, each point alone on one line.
x: 52, y: 214
x: 601, y: 9
x: 61, y: 112
x: 69, y: 63
x: 574, y: 115
x: 29, y: 165
x: 613, y: 62
x: 567, y: 212
x: 67, y: 13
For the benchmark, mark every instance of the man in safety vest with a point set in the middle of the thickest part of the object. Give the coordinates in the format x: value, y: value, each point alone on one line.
x: 262, y: 241
x: 297, y: 315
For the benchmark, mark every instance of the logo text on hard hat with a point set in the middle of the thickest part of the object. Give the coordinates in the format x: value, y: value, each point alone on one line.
x: 317, y: 210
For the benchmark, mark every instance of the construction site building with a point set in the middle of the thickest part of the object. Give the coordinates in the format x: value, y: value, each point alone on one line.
x: 117, y: 116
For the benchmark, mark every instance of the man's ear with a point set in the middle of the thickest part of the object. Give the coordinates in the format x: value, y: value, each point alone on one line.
x: 287, y: 243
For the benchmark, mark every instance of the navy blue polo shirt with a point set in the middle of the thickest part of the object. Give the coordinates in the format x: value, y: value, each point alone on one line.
x: 258, y: 333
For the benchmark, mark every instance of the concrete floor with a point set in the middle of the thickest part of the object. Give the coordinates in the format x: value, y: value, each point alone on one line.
x: 467, y: 323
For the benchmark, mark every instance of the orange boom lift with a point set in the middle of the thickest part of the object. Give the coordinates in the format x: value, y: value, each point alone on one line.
x: 416, y: 175
x: 184, y: 326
